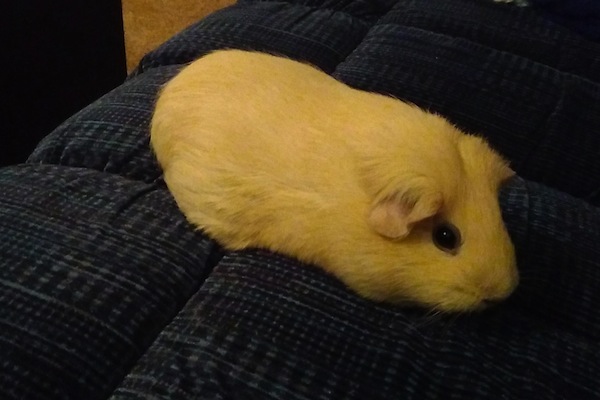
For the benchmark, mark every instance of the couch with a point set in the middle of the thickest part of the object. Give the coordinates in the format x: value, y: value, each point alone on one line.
x: 107, y: 292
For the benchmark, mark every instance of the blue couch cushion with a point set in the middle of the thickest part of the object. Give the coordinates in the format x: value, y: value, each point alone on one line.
x: 92, y: 267
x: 265, y: 327
x: 98, y: 267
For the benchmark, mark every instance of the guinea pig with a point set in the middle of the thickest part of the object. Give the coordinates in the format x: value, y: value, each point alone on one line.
x: 267, y: 152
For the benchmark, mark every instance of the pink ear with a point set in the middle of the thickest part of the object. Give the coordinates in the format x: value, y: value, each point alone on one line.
x: 395, y: 217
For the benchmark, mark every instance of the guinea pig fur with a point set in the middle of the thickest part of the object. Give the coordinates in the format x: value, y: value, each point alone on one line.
x: 263, y: 151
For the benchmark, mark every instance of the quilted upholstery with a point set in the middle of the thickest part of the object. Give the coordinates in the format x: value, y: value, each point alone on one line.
x: 107, y: 292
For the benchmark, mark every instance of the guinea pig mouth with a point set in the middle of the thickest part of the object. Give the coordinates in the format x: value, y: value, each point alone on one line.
x: 461, y: 300
x: 488, y: 302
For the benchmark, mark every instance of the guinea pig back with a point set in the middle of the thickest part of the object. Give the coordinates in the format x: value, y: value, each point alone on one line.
x: 263, y: 151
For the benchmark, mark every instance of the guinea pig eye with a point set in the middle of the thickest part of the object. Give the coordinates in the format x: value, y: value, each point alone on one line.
x: 447, y: 237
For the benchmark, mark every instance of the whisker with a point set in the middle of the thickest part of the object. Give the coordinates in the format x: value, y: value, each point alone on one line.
x: 431, y: 317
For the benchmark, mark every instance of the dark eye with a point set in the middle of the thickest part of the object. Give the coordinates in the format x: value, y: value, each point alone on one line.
x: 446, y: 237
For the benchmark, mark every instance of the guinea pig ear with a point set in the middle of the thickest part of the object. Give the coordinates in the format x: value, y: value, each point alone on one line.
x: 394, y: 217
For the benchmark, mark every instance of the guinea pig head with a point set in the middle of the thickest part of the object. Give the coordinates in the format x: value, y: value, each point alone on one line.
x: 446, y: 245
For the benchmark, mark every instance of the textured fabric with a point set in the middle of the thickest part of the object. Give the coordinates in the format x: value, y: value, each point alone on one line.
x: 264, y: 327
x: 322, y: 35
x: 530, y: 37
x: 92, y: 266
x: 582, y: 16
x: 106, y: 290
x: 110, y: 135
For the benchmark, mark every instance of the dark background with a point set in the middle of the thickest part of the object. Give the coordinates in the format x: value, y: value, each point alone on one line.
x: 57, y: 57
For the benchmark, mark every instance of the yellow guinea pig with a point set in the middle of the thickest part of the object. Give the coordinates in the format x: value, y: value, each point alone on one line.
x: 263, y: 151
